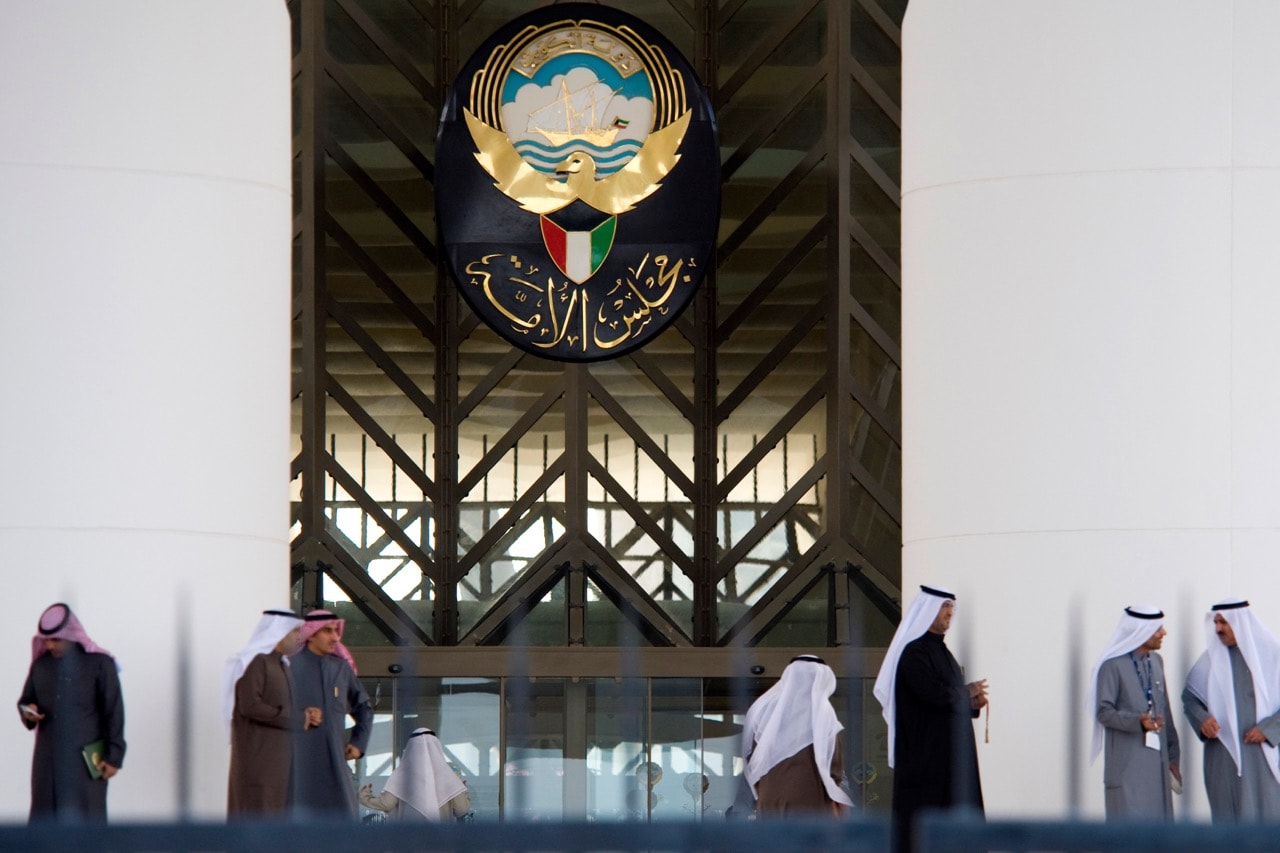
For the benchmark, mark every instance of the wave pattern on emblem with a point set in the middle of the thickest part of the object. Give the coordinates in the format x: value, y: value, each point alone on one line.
x: 608, y: 160
x: 577, y: 111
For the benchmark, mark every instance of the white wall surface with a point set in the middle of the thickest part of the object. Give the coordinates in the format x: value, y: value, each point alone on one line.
x: 145, y: 227
x: 1091, y: 281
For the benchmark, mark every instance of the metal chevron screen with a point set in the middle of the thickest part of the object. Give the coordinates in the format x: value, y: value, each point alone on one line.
x: 736, y: 481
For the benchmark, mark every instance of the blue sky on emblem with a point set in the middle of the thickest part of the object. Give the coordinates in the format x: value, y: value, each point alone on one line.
x: 577, y: 102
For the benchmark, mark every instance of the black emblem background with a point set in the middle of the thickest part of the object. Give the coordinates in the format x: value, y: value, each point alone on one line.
x: 679, y: 220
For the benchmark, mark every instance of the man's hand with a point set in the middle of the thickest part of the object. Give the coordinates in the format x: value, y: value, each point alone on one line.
x: 1150, y: 724
x: 1177, y: 774
x: 312, y: 718
x: 352, y: 753
x: 107, y: 770
x: 977, y: 693
x: 1210, y: 728
x: 31, y: 712
x: 1255, y: 735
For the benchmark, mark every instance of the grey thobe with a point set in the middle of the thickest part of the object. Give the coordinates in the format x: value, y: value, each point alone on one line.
x: 322, y: 782
x: 1136, y: 777
x: 1253, y: 793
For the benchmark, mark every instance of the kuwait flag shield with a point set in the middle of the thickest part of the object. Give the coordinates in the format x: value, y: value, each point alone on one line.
x: 579, y: 254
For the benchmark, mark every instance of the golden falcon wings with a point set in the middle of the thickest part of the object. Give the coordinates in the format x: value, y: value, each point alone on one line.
x: 543, y: 194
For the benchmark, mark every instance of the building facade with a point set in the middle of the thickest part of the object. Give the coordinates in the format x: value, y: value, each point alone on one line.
x: 720, y: 499
x: 585, y: 572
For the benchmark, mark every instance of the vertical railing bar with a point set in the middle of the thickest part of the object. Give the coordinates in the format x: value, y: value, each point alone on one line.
x: 183, y: 707
x: 1075, y: 699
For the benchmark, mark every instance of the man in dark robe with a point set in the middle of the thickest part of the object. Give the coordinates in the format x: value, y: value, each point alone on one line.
x: 325, y: 692
x: 258, y: 703
x: 791, y: 744
x: 72, y: 699
x: 930, y: 711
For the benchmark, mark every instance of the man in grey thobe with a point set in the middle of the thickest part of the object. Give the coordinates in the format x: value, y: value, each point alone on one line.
x: 1232, y: 699
x: 325, y: 692
x: 1130, y: 703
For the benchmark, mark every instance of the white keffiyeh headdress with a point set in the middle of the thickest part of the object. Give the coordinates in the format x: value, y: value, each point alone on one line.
x: 788, y: 717
x: 919, y: 616
x: 423, y: 780
x: 1211, y: 682
x: 273, y: 627
x: 1137, y: 625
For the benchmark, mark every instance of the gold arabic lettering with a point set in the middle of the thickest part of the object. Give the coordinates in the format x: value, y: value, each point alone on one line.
x: 477, y: 269
x: 561, y: 312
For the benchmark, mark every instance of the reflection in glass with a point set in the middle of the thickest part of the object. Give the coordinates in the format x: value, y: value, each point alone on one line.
x: 615, y: 739
x: 534, y: 768
x: 463, y: 712
x: 380, y: 755
x: 695, y: 753
x: 869, y: 780
x: 676, y: 750
x: 605, y: 748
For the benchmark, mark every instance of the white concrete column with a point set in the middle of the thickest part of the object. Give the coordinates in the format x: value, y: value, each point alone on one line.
x: 144, y: 355
x: 1091, y: 264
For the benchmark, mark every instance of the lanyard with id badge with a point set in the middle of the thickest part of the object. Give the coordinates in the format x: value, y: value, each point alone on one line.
x: 1152, y: 739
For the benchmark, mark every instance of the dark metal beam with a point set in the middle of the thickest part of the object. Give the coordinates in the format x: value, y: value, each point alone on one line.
x: 311, y: 192
x: 751, y: 65
x: 494, y: 534
x: 775, y: 514
x: 608, y: 572
x: 370, y: 598
x: 637, y: 513
x: 596, y: 662
x: 446, y: 379
x: 706, y: 381
x: 510, y: 439
x: 517, y: 600
x: 397, y: 57
x: 639, y: 435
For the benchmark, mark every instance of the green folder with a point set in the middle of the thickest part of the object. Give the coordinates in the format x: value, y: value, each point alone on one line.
x: 93, y: 753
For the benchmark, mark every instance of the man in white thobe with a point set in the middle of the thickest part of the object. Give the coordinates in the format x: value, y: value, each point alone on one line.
x: 1232, y: 699
x: 1129, y: 700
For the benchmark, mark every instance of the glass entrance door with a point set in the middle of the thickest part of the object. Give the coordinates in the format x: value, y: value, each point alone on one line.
x: 604, y: 749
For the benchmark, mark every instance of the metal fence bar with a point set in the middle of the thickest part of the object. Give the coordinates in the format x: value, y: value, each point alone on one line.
x: 939, y: 833
x: 729, y: 837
